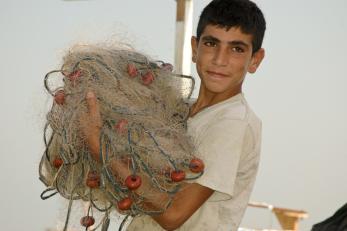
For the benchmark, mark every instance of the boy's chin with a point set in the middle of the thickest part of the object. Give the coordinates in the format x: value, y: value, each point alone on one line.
x: 216, y: 88
x: 220, y: 89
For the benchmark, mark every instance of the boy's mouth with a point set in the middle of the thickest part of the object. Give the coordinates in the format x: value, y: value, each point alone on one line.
x: 217, y: 75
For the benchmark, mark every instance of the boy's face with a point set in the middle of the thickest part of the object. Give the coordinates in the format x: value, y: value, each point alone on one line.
x: 223, y: 58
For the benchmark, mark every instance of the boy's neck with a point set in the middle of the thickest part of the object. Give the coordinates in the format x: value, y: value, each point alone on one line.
x: 207, y: 99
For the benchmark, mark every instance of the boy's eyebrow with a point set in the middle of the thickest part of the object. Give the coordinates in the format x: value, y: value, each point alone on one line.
x: 210, y: 39
x: 216, y: 40
x: 239, y: 43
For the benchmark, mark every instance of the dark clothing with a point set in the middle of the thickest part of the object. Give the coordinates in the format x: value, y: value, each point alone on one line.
x: 337, y: 222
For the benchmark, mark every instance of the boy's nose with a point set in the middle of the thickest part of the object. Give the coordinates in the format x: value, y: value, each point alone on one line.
x: 221, y: 57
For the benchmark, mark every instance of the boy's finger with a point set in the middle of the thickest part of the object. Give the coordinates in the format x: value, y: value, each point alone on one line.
x: 92, y: 104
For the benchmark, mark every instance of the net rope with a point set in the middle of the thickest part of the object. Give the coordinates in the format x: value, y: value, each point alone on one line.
x: 144, y: 112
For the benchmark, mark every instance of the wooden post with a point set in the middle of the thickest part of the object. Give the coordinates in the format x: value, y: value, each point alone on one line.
x: 184, y: 24
x: 288, y: 218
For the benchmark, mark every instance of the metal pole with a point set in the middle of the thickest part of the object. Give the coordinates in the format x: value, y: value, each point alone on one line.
x: 184, y: 26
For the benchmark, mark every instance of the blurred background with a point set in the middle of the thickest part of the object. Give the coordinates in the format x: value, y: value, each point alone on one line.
x: 298, y: 92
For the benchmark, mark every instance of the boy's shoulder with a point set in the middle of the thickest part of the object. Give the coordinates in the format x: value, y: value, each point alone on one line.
x: 231, y: 113
x: 233, y: 108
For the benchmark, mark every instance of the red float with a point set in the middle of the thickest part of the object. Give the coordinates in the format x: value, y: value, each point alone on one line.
x: 196, y: 165
x: 178, y: 175
x: 57, y: 162
x: 133, y: 182
x: 132, y: 70
x: 148, y: 78
x: 93, y: 180
x: 87, y: 221
x: 59, y: 97
x: 166, y: 67
x: 125, y: 204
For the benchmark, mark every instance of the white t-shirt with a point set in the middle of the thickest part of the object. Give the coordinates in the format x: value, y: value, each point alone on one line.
x: 228, y: 137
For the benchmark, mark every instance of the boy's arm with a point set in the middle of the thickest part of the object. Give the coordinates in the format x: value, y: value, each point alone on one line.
x: 184, y: 203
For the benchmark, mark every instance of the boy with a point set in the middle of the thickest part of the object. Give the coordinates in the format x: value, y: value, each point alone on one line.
x: 227, y: 132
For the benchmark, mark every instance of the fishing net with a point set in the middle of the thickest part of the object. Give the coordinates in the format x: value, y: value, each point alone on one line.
x: 144, y: 111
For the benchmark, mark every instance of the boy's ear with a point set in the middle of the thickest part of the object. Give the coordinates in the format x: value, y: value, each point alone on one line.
x: 257, y: 57
x: 194, y: 44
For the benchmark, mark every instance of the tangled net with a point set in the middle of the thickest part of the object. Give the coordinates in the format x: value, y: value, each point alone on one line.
x: 143, y: 113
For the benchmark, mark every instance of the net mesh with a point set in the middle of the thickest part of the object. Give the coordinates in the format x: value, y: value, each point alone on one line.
x: 144, y: 115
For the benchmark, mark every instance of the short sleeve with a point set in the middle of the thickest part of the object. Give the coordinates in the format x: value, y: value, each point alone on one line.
x: 220, y: 148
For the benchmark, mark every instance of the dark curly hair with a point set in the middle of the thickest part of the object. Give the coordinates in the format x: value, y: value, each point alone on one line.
x: 244, y: 14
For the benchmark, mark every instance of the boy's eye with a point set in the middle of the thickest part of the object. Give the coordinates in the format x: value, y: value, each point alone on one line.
x: 238, y: 49
x: 210, y: 44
